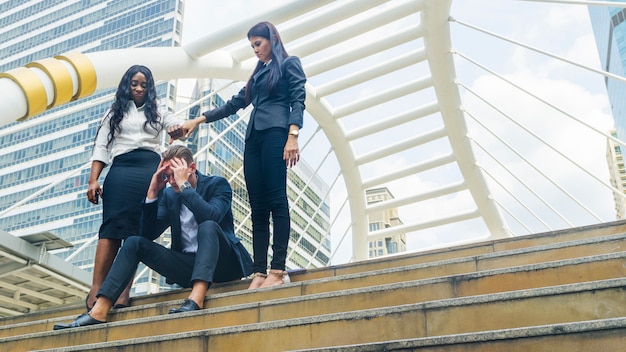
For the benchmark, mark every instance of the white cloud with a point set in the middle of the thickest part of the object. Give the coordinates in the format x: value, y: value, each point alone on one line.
x: 204, y: 16
x: 578, y: 143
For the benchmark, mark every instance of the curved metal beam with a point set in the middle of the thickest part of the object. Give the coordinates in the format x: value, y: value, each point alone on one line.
x: 336, y: 134
x: 438, y: 43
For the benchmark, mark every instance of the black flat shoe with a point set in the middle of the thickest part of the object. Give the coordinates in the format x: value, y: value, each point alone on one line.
x: 82, y: 320
x: 188, y: 306
x: 120, y: 306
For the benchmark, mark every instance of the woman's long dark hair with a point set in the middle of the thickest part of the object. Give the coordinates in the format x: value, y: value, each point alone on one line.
x: 279, y: 54
x: 123, y: 97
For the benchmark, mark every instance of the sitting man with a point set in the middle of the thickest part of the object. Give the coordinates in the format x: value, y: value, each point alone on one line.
x: 204, y: 246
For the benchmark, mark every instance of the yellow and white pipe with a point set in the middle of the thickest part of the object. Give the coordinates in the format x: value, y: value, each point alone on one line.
x: 44, y: 84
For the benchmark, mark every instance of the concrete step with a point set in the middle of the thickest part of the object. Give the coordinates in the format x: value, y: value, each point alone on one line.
x: 598, y: 300
x: 79, y: 308
x: 375, y: 297
x: 470, y: 264
x: 593, y: 335
x: 483, y: 247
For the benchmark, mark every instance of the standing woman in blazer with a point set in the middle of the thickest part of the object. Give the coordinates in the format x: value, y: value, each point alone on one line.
x: 130, y: 135
x: 276, y: 90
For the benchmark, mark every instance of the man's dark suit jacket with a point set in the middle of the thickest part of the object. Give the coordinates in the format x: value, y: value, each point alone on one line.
x: 282, y: 107
x: 211, y: 200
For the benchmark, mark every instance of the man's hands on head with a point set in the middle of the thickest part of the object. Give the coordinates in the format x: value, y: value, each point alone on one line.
x: 181, y: 170
x: 176, y: 171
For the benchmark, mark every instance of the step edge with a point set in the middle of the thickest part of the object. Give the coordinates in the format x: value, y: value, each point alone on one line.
x: 486, y: 336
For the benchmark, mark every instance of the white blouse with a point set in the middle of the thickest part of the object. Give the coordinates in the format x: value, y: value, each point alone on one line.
x: 132, y: 135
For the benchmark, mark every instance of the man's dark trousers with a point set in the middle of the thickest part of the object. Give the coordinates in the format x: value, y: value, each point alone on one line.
x: 215, y: 261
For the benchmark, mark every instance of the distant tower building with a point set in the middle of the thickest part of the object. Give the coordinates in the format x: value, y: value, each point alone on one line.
x: 381, y: 220
x: 618, y: 175
x: 609, y: 28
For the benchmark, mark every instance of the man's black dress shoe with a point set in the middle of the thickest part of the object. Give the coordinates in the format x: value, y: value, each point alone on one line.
x: 188, y: 306
x: 82, y: 320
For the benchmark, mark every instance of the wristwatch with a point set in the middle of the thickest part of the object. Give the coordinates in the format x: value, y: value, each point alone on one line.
x: 184, y: 186
x: 294, y: 132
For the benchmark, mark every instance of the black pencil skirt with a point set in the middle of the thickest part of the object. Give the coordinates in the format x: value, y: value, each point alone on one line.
x: 124, y: 190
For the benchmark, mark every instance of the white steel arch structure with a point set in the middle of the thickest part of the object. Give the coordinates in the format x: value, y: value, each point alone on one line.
x: 395, y: 58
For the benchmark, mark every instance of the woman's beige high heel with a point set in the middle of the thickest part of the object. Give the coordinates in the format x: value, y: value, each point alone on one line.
x: 276, y: 277
x: 257, y: 280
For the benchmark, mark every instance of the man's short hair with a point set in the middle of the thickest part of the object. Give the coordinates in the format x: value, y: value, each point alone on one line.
x: 178, y: 151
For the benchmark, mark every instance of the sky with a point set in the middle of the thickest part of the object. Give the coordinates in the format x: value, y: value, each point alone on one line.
x: 562, y: 30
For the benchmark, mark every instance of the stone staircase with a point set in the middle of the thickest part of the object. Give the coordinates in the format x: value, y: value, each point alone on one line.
x: 557, y: 291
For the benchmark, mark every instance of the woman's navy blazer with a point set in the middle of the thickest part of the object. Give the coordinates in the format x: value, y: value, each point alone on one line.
x: 281, y: 107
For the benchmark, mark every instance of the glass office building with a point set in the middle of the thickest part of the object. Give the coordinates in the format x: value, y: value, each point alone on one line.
x: 609, y: 27
x: 51, y: 151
